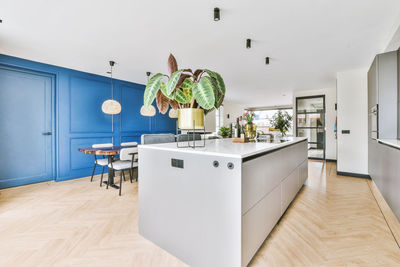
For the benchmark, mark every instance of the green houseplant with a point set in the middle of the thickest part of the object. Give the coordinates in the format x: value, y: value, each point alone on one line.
x: 281, y: 121
x: 224, y: 132
x: 193, y: 93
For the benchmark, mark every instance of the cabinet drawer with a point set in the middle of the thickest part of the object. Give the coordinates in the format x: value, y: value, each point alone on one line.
x: 290, y: 187
x: 303, y: 173
x: 260, y: 176
x: 258, y: 222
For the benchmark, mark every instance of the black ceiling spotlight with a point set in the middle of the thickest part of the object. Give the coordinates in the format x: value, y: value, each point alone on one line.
x: 248, y: 43
x: 267, y: 61
x: 1, y: 21
x: 216, y: 14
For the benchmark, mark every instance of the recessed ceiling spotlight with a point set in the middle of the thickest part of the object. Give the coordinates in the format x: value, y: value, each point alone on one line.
x: 267, y: 61
x: 216, y: 14
x: 248, y: 43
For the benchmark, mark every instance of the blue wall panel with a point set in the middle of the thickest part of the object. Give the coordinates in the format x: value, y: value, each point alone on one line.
x: 86, y: 98
x: 78, y: 118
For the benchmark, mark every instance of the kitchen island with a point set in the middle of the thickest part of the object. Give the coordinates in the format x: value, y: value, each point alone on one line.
x: 215, y: 206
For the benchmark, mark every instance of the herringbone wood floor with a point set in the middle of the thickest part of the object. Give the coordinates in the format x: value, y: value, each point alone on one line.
x: 334, y: 221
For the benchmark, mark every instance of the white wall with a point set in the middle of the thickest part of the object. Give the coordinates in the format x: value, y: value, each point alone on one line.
x: 352, y: 112
x: 330, y: 117
x: 234, y: 110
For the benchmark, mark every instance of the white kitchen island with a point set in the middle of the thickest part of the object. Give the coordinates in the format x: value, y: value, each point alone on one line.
x: 215, y: 206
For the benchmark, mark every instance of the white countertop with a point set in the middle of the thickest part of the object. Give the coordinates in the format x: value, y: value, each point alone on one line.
x: 391, y: 142
x: 226, y: 148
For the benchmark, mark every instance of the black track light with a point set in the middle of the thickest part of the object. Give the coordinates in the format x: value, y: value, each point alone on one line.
x: 1, y: 21
x: 248, y: 43
x: 216, y: 14
x: 267, y: 61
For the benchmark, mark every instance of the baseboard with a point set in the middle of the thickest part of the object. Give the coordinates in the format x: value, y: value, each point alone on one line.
x: 330, y: 160
x: 352, y: 174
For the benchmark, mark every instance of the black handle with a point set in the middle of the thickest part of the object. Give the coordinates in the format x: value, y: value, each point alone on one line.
x: 47, y: 133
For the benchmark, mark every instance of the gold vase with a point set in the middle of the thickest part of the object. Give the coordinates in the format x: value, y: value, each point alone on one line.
x: 250, y: 130
x: 190, y: 118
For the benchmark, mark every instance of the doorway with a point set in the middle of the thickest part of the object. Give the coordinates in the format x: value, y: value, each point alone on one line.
x: 310, y: 123
x: 26, y: 108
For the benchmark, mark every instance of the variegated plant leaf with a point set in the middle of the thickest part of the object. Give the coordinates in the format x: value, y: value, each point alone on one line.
x: 219, y: 100
x: 173, y: 81
x: 163, y: 89
x: 180, y: 96
x: 152, y: 87
x: 162, y: 102
x: 174, y: 104
x: 203, y: 92
x: 218, y: 78
x: 182, y: 79
x: 197, y: 73
x: 172, y: 64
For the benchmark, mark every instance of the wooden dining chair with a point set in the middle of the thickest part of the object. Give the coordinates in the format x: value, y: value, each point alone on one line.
x: 101, y: 162
x: 126, y: 162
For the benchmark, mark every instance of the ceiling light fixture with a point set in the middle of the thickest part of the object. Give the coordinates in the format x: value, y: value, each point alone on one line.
x: 267, y: 61
x: 1, y: 21
x: 248, y: 43
x: 216, y: 14
x: 111, y: 106
x: 149, y: 111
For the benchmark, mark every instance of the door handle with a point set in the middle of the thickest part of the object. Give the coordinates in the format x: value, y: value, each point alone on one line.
x: 47, y: 133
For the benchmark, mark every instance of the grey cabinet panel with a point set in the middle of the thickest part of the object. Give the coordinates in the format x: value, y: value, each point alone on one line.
x: 385, y: 171
x: 390, y: 184
x: 373, y: 84
x: 387, y: 95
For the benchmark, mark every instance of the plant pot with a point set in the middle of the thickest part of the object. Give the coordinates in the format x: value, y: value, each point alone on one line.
x: 190, y: 118
x: 250, y: 130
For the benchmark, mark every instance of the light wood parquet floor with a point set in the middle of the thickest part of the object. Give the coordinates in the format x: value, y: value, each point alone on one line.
x: 334, y: 221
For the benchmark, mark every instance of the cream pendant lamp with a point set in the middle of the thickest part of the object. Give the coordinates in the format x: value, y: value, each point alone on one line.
x: 111, y: 106
x: 173, y: 113
x: 151, y: 110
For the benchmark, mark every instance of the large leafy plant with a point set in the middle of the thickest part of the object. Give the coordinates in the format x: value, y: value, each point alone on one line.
x: 282, y: 121
x: 185, y: 88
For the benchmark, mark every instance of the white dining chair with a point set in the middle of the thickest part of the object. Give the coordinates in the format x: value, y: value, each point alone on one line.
x: 126, y: 162
x: 101, y: 162
x: 131, y: 144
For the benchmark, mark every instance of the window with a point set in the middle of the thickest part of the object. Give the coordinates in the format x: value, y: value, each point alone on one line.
x: 262, y: 119
x: 219, y: 118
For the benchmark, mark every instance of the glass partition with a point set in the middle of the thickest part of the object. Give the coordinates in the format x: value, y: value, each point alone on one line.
x: 310, y: 123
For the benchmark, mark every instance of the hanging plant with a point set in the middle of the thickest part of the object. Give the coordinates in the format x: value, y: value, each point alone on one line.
x: 183, y: 88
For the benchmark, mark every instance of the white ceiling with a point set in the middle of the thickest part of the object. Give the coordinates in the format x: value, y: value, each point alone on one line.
x: 308, y: 41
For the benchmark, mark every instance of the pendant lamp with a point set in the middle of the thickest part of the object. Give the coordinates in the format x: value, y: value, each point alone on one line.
x: 111, y: 106
x: 173, y: 113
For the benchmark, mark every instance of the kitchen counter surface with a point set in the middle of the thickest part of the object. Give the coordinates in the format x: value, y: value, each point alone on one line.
x: 390, y: 142
x: 226, y: 148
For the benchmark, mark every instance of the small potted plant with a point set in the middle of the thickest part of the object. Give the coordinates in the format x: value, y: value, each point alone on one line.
x: 250, y: 129
x: 192, y: 93
x: 224, y: 132
x: 281, y: 121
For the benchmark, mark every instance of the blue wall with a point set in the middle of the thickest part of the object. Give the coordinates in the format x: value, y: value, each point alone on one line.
x: 79, y: 121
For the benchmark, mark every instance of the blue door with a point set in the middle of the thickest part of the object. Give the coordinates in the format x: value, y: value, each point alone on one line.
x: 26, y: 130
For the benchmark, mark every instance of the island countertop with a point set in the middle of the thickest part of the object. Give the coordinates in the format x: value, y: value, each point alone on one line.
x: 226, y: 148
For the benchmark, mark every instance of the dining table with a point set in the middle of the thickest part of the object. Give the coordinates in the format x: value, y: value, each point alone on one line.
x: 110, y: 153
